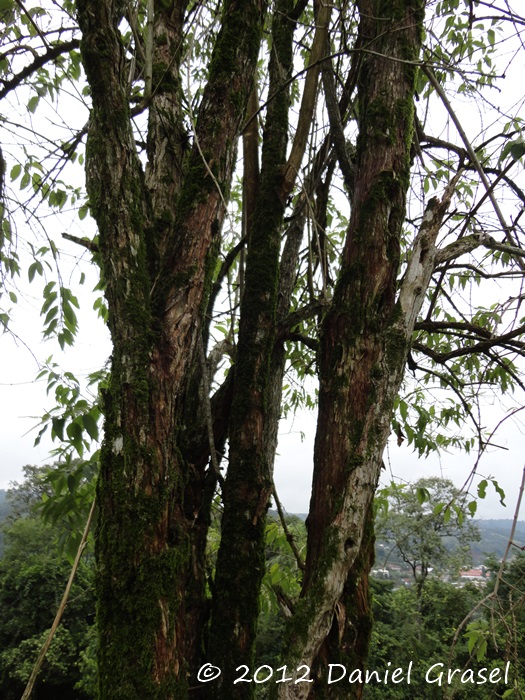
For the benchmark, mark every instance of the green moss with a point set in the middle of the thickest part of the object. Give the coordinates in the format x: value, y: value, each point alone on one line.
x: 196, y: 187
x: 133, y: 577
x: 395, y: 350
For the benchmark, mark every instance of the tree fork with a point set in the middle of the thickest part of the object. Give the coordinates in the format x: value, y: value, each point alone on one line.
x: 150, y: 555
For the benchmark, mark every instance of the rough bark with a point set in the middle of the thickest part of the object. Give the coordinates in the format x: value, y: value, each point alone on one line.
x: 362, y: 348
x: 241, y: 557
x: 260, y: 365
x: 158, y: 238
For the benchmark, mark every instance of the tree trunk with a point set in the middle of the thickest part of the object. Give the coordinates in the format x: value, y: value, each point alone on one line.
x: 158, y: 237
x: 363, y: 348
x: 260, y: 362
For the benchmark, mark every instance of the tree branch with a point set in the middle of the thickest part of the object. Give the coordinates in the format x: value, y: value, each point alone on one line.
x: 309, y: 99
x: 336, y: 127
x: 422, y: 260
x: 481, y: 347
x: 51, y: 54
x: 472, y: 155
x: 84, y: 242
x: 289, y: 537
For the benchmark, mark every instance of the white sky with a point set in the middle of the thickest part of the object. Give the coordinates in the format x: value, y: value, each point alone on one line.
x: 22, y: 401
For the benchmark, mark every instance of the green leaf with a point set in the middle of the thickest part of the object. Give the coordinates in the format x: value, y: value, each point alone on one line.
x: 422, y: 495
x: 69, y: 315
x: 33, y: 103
x: 90, y: 424
x: 481, y: 650
x: 33, y: 269
x: 517, y: 150
x: 74, y: 432
x: 499, y: 491
x: 53, y: 311
x: 15, y: 171
x: 482, y: 488
x: 58, y: 427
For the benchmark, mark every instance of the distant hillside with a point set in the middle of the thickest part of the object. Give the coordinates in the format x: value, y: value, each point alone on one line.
x: 4, y: 510
x: 494, y: 537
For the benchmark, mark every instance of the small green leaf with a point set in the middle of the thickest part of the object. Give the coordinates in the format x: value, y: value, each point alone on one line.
x: 499, y: 491
x: 24, y: 182
x: 422, y: 495
x: 517, y: 150
x: 481, y: 650
x: 438, y: 508
x: 69, y: 315
x: 90, y: 424
x: 33, y: 269
x: 482, y: 488
x: 33, y: 103
x: 74, y: 432
x: 58, y: 427
x: 15, y: 171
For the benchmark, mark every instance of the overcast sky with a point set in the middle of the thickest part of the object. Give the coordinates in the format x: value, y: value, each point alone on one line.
x: 22, y: 400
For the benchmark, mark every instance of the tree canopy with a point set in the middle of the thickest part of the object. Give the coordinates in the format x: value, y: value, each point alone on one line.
x: 428, y: 526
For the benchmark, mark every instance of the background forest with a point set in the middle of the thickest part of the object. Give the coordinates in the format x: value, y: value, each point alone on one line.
x: 411, y: 623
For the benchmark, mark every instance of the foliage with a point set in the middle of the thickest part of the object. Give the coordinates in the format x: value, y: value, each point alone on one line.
x: 504, y: 616
x: 421, y: 630
x: 32, y: 580
x: 421, y: 520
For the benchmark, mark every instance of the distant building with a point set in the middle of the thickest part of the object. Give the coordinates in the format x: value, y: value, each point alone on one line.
x: 473, y: 574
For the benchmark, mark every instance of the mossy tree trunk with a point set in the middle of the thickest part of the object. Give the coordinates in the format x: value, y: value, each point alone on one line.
x: 159, y: 235
x: 159, y: 195
x: 159, y: 231
x: 363, y: 346
x: 259, y: 368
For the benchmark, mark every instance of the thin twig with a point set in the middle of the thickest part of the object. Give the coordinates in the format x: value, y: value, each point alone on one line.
x: 289, y: 537
x: 512, y: 533
x: 36, y: 668
x: 207, y: 411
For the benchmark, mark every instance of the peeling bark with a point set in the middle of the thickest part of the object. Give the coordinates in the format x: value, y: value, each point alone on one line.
x: 157, y: 241
x: 362, y: 349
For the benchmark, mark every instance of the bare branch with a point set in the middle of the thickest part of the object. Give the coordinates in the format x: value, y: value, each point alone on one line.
x: 84, y: 242
x: 421, y: 263
x: 289, y: 537
x: 309, y: 98
x: 473, y: 157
